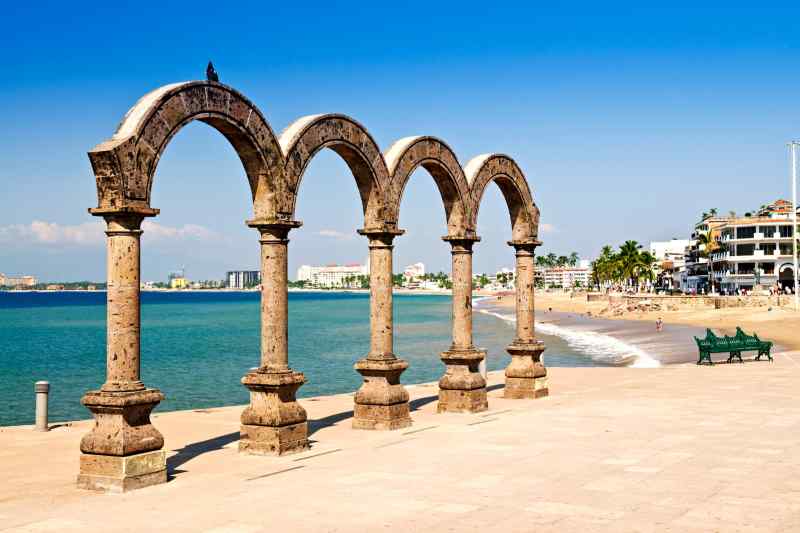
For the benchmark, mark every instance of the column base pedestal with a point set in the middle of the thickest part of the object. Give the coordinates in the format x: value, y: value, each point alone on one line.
x: 382, y: 402
x: 462, y: 401
x: 462, y: 389
x: 381, y: 417
x: 274, y: 423
x: 526, y: 388
x: 265, y: 440
x: 108, y: 473
x: 123, y: 451
x: 526, y: 375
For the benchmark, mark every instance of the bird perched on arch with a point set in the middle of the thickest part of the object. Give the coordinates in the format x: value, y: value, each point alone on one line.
x: 211, y: 74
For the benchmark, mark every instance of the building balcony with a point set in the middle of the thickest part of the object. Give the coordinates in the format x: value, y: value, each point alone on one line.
x: 758, y: 237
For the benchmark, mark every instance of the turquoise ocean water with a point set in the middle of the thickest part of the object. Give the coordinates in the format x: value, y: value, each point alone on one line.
x: 196, y: 346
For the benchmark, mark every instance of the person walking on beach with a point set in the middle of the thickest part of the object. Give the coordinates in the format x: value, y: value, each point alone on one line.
x: 659, y: 324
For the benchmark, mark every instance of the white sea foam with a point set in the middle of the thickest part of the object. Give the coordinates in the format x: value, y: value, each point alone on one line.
x: 599, y: 347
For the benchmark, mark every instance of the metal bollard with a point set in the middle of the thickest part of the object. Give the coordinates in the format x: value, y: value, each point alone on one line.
x: 42, y: 389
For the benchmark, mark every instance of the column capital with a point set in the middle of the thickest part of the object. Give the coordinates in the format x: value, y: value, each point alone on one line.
x: 380, y: 237
x: 274, y: 229
x: 123, y: 220
x: 525, y: 246
x: 461, y: 244
x: 124, y: 211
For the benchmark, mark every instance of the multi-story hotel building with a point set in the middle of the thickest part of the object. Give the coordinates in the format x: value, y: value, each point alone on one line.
x: 694, y: 278
x: 18, y: 281
x: 756, y: 250
x: 330, y: 275
x: 567, y: 277
x: 242, y: 279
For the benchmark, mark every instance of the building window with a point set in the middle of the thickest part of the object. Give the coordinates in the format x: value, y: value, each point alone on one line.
x: 745, y: 249
x: 767, y: 268
x: 786, y: 232
x: 745, y: 232
x: 746, y: 268
x: 768, y: 231
x: 768, y: 248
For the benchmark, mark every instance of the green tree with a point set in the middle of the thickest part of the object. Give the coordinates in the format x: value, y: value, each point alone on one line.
x: 710, y: 247
x: 573, y: 259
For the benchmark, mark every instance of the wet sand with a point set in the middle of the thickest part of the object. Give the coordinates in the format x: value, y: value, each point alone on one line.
x: 674, y: 344
x: 779, y: 325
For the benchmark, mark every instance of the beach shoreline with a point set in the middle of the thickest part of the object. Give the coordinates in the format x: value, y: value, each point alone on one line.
x: 609, y: 342
x: 777, y: 324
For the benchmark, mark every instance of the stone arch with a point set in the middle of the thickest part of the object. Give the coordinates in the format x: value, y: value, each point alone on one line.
x: 353, y: 143
x: 125, y: 164
x: 436, y: 157
x: 505, y: 172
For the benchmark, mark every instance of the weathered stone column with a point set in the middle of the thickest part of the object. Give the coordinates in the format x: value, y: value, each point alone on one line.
x: 123, y: 451
x: 274, y: 423
x: 526, y: 375
x: 462, y: 388
x: 381, y: 402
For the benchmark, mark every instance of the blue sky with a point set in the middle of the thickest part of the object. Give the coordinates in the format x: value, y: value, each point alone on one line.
x: 629, y: 119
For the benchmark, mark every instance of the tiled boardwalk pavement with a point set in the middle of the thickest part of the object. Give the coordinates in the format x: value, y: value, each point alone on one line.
x: 669, y: 449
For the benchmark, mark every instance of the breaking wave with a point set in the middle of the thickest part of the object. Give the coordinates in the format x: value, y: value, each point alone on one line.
x: 601, y: 348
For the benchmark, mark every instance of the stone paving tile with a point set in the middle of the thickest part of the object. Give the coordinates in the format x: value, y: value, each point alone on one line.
x: 610, y: 450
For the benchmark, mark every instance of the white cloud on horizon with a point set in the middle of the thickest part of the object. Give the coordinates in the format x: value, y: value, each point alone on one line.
x: 92, y: 233
x: 334, y: 234
x: 154, y: 231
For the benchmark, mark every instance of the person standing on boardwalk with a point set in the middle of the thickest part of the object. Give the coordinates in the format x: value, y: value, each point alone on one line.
x: 659, y: 324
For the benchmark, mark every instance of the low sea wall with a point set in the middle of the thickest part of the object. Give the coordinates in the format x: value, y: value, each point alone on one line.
x: 685, y: 301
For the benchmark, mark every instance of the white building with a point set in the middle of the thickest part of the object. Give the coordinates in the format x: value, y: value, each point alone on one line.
x: 330, y: 275
x: 415, y: 271
x: 742, y: 252
x: 503, y: 280
x: 18, y: 281
x: 755, y: 251
x: 670, y: 266
x: 242, y: 279
x: 669, y: 250
x: 567, y: 277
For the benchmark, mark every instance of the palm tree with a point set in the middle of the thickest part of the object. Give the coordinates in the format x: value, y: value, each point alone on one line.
x: 710, y: 245
x: 644, y: 268
x: 573, y: 259
x: 629, y: 261
x: 604, y: 268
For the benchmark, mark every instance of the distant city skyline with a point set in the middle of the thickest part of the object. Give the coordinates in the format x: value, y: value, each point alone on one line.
x: 629, y: 121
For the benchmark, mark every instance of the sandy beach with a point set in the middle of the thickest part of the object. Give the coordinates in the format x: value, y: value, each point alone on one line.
x: 778, y: 324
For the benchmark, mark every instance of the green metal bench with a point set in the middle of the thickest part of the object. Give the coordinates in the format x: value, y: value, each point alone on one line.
x: 733, y: 346
x: 752, y: 342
